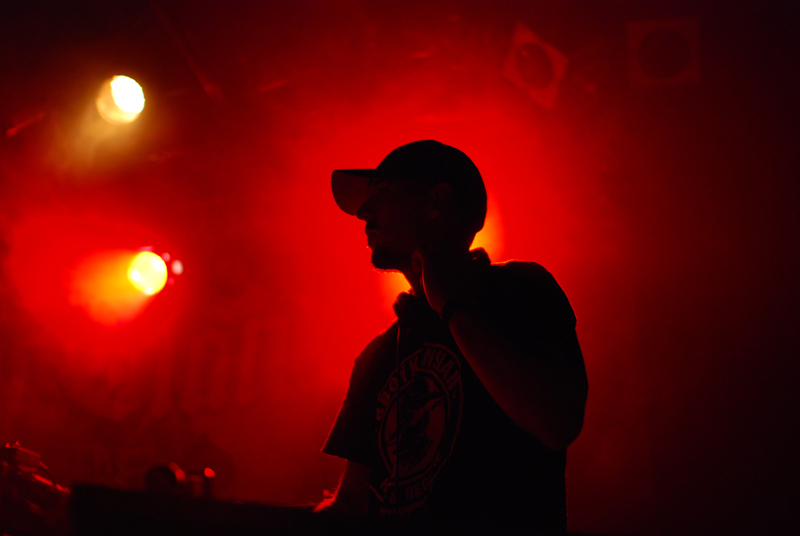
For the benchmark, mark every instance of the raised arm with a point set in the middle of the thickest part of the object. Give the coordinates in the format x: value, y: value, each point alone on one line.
x: 544, y: 394
x: 541, y: 387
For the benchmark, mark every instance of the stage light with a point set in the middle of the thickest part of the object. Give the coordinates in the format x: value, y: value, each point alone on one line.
x: 177, y: 267
x: 121, y: 100
x: 101, y: 285
x: 148, y: 272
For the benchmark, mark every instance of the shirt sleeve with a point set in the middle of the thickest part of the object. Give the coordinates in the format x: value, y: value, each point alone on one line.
x: 352, y: 436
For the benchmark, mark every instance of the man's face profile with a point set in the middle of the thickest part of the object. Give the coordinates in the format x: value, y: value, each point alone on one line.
x: 395, y: 215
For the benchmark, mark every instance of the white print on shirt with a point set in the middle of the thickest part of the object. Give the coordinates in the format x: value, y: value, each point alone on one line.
x: 430, y: 416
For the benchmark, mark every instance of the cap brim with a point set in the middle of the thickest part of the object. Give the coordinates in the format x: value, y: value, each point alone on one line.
x: 351, y: 188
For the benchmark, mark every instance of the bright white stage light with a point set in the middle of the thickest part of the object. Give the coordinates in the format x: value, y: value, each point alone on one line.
x: 121, y: 100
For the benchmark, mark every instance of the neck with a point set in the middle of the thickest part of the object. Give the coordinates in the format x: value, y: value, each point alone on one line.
x: 415, y: 281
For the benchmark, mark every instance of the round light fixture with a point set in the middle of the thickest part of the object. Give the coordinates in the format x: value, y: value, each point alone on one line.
x: 148, y: 272
x: 121, y: 100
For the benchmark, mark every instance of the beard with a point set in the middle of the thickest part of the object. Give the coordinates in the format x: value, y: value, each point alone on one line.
x: 389, y: 259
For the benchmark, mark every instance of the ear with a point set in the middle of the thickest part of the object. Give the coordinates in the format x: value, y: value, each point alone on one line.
x: 441, y: 194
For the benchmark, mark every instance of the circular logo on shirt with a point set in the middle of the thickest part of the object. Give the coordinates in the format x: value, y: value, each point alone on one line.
x: 416, y: 446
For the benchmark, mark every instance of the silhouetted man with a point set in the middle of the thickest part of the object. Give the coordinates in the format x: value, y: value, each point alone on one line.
x: 485, y: 358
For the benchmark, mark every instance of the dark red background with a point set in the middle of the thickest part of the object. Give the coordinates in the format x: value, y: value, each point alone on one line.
x: 668, y: 214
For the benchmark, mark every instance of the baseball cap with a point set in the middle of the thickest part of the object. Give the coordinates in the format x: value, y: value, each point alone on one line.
x: 428, y: 161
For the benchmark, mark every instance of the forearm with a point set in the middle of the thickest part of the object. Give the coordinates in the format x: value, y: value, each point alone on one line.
x: 538, y: 393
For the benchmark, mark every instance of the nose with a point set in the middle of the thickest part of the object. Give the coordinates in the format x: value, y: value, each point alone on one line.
x: 364, y: 212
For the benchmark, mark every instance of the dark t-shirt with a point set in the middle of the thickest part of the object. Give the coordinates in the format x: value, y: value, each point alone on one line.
x: 462, y: 459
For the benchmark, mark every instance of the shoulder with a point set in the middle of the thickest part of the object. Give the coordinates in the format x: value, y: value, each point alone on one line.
x: 530, y: 286
x: 380, y: 346
x: 372, y: 362
x: 521, y: 270
x: 524, y: 276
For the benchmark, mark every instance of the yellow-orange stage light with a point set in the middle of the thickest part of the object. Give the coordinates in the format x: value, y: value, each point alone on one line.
x: 148, y: 272
x: 121, y: 100
x: 100, y: 285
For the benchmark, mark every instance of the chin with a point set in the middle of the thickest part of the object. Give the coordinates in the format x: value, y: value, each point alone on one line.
x: 386, y: 259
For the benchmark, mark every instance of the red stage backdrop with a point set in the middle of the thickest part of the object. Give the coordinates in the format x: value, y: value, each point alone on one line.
x: 665, y: 206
